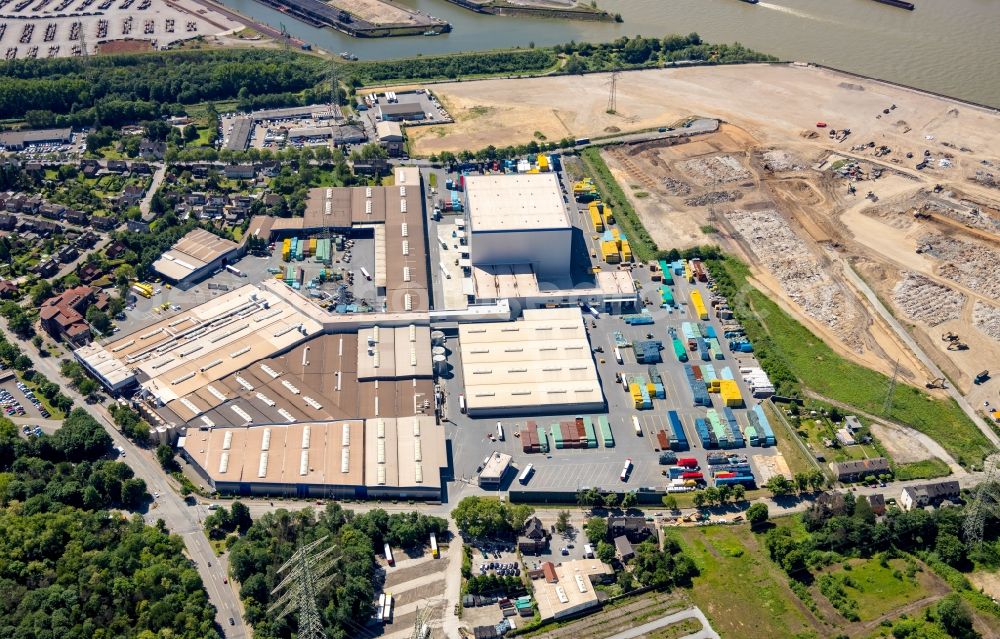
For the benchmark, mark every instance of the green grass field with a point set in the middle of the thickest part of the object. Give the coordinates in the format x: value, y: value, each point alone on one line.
x: 819, y: 368
x: 877, y: 589
x: 741, y: 591
x: 926, y: 469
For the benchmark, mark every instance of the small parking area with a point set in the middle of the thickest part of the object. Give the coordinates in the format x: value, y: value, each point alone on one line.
x: 17, y: 400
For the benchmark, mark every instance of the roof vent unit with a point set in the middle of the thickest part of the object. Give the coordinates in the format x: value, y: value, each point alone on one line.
x: 244, y: 383
x: 265, y: 442
x: 216, y: 393
x: 262, y: 466
x: 227, y: 440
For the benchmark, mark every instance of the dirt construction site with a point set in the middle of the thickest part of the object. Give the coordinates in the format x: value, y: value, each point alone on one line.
x: 815, y: 178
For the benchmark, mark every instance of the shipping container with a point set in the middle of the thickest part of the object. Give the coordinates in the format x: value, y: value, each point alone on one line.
x: 635, y: 422
x: 434, y: 542
x: 692, y: 474
x: 687, y: 462
x: 698, y: 305
x: 606, y: 434
x: 526, y: 474
x: 618, y: 355
x: 679, y: 441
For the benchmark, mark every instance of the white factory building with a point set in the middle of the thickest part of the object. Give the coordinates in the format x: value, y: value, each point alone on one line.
x: 518, y: 219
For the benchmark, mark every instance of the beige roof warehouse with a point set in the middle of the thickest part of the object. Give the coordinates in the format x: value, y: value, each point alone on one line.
x: 539, y: 363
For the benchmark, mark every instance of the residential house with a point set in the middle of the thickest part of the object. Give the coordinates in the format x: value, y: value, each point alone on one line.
x: 877, y: 502
x: 51, y: 211
x: 115, y: 250
x: 239, y: 171
x: 860, y: 468
x: 623, y: 548
x: 66, y: 254
x: 34, y: 168
x: 132, y: 195
x: 31, y: 204
x: 635, y: 529
x: 929, y: 494
x: 152, y: 149
x: 89, y: 272
x: 7, y: 222
x: 117, y: 166
x: 195, y: 198
x: 87, y: 240
x: 8, y: 289
x: 62, y: 316
x: 390, y: 136
x: 90, y: 168
x: 47, y: 268
x: 141, y: 168
x: 533, y: 538
x: 137, y: 226
x: 104, y: 223
x: 79, y: 218
x: 15, y: 201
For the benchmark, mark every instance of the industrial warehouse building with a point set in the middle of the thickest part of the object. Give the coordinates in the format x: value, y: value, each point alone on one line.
x: 540, y: 364
x: 353, y: 459
x: 195, y: 256
x: 18, y: 140
x: 568, y: 589
x: 518, y: 219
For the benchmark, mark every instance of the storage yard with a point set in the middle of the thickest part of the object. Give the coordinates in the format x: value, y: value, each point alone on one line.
x: 41, y: 29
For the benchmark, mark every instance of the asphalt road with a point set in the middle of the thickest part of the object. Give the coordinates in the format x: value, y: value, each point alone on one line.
x: 144, y: 206
x: 694, y: 612
x: 180, y: 518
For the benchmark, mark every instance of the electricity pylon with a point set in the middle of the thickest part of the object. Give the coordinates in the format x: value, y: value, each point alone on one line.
x: 307, y: 573
x: 985, y: 501
x: 613, y: 94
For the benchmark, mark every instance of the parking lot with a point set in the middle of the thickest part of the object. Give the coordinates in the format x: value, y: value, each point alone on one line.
x: 18, y: 400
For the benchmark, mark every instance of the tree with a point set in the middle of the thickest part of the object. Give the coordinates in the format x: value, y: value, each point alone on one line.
x: 165, y: 455
x: 40, y: 292
x: 610, y: 500
x: 605, y: 552
x: 951, y: 550
x: 669, y: 501
x: 801, y: 481
x: 87, y: 387
x: 955, y: 617
x: 816, y: 478
x: 725, y: 492
x: 98, y: 319
x: 629, y: 500
x: 779, y: 486
x: 757, y: 514
x: 699, y: 499
x: 712, y: 495
x: 134, y: 492
x: 517, y: 515
x: 596, y: 529
x: 190, y: 133
x: 624, y: 579
x: 739, y: 492
x: 22, y: 362
x: 562, y: 521
x: 480, y: 517
x: 240, y: 515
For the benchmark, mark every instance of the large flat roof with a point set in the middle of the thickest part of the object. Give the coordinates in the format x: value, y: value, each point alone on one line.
x: 512, y: 281
x: 515, y: 202
x: 573, y: 591
x: 383, y: 452
x: 184, y: 352
x: 15, y: 138
x: 192, y: 252
x: 542, y: 361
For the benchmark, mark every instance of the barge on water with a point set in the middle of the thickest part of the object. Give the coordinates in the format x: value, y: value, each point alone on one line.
x: 320, y: 14
x: 902, y: 4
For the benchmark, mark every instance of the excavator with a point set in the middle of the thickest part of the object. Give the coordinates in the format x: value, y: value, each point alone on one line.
x: 954, y: 343
x: 936, y: 383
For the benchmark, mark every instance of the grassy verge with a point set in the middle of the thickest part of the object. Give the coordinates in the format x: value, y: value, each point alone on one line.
x: 643, y: 246
x: 926, y: 469
x: 794, y: 357
x: 739, y: 589
x: 798, y: 460
x: 874, y: 590
x: 54, y: 413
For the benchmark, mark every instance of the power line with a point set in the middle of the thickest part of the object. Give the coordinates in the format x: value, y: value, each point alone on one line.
x: 307, y: 572
x: 985, y: 502
x: 887, y: 408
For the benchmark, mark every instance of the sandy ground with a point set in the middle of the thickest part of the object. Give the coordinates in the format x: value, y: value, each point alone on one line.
x: 57, y: 37
x: 771, y: 113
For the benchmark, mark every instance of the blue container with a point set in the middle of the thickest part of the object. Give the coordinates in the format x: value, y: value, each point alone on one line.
x: 710, y: 331
x: 679, y: 440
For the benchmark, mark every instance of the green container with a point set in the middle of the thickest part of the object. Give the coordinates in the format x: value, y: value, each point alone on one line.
x: 588, y: 427
x: 606, y: 434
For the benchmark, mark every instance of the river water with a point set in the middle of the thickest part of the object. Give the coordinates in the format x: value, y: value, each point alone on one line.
x: 947, y: 46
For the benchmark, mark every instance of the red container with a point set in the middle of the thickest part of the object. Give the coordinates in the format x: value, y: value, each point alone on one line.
x: 692, y: 475
x: 724, y: 474
x: 687, y: 462
x: 697, y: 373
x: 661, y: 438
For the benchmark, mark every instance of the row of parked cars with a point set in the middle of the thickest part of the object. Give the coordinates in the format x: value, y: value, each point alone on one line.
x: 34, y: 400
x: 504, y: 569
x: 31, y: 430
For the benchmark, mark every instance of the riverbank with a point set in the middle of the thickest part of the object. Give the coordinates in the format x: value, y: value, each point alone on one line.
x: 537, y: 10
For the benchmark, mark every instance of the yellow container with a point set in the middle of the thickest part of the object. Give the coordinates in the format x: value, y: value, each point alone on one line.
x: 730, y: 393
x: 714, y: 386
x: 609, y: 250
x: 543, y: 162
x: 626, y: 251
x: 596, y: 220
x: 699, y: 306
x: 609, y: 216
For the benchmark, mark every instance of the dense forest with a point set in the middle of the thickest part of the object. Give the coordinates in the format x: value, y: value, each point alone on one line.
x: 346, y: 603
x: 71, y: 568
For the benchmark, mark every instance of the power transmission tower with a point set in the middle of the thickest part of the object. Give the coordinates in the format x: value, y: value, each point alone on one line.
x: 334, y: 93
x: 306, y: 574
x: 985, y: 502
x: 83, y: 42
x: 420, y: 623
x: 887, y: 408
x: 613, y: 94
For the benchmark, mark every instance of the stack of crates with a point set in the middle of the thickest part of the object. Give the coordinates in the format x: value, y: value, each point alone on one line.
x: 759, y: 421
x: 609, y: 252
x: 648, y: 351
x: 588, y: 428
x: 286, y: 249
x: 729, y: 391
x: 734, y: 427
x: 626, y: 249
x: 718, y: 431
x: 688, y: 273
x: 701, y: 428
x: 703, y: 352
x: 557, y: 436
x: 606, y: 434
x: 679, y: 351
x: 678, y: 441
x: 638, y: 319
x: 668, y: 276
x: 698, y: 306
x: 709, y: 377
x: 595, y: 218
x: 662, y: 440
x: 666, y: 297
x: 312, y: 247
x: 654, y: 378
x: 726, y: 373
x: 529, y: 439
x: 698, y: 389
x: 751, y: 434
